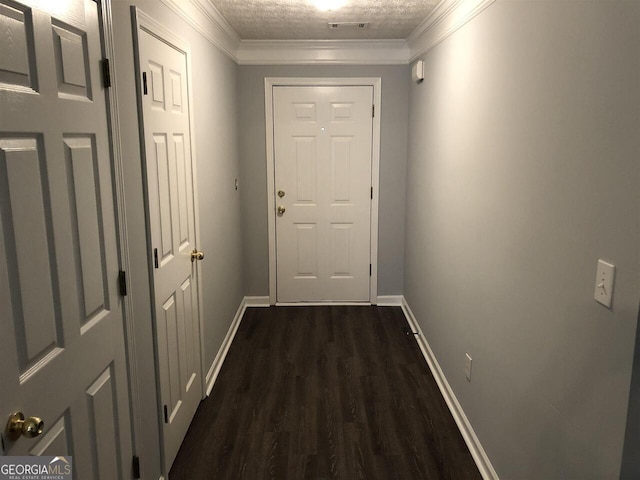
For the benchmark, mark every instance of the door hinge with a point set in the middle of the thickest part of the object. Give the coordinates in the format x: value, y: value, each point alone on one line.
x: 136, y: 467
x: 122, y: 283
x: 166, y: 414
x: 106, y: 73
x: 370, y: 269
x: 144, y: 83
x: 371, y: 193
x: 373, y: 111
x: 155, y: 258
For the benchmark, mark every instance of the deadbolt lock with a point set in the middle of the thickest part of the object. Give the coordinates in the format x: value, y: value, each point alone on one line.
x: 281, y: 193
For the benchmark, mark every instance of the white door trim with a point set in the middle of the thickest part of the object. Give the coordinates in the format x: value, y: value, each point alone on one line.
x: 121, y: 219
x: 142, y: 21
x: 269, y: 83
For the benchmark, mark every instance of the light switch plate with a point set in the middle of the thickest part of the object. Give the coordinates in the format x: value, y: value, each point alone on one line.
x: 604, y: 283
x: 467, y: 366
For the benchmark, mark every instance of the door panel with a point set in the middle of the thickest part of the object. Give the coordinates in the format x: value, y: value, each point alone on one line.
x: 17, y: 62
x: 38, y: 324
x: 341, y: 247
x: 102, y: 412
x: 323, y: 149
x: 306, y: 170
x: 60, y: 314
x: 71, y: 59
x: 85, y: 203
x: 307, y: 250
x: 341, y: 170
x: 166, y: 129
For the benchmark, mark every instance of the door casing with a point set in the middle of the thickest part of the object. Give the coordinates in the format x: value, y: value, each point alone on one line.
x: 123, y: 242
x: 271, y: 82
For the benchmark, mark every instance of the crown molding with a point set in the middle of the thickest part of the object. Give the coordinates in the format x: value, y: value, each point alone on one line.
x: 445, y: 19
x: 323, y: 52
x: 205, y: 18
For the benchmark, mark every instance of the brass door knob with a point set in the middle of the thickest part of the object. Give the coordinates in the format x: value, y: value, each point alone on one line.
x: 281, y: 210
x: 17, y: 425
x: 196, y: 255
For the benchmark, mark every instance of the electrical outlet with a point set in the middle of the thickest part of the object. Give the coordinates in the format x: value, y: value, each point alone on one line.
x: 467, y: 366
x: 604, y: 283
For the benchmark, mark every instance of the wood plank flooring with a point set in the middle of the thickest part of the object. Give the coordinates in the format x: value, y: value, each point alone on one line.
x: 324, y: 393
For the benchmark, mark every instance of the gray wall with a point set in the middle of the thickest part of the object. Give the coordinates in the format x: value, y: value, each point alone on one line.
x: 214, y: 84
x: 393, y: 158
x: 631, y: 459
x: 523, y: 171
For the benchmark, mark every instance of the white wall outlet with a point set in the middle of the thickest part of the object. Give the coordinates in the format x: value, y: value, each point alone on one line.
x: 467, y: 366
x: 604, y: 283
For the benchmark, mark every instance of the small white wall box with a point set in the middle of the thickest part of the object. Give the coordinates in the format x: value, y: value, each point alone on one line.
x: 417, y: 71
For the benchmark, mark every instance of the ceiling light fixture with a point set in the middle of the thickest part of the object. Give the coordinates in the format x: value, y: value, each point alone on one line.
x: 326, y: 5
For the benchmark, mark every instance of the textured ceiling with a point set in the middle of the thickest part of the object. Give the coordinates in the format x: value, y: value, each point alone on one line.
x: 300, y: 19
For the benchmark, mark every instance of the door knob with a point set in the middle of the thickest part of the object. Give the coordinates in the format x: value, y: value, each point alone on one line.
x: 196, y: 255
x: 17, y: 425
x: 281, y: 210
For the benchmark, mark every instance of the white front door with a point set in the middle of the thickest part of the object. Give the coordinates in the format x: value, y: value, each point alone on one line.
x: 167, y: 144
x: 323, y: 152
x: 63, y: 351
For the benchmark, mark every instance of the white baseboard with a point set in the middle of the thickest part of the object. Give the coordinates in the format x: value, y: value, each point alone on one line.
x: 256, y: 301
x: 214, y: 370
x: 473, y: 443
x: 389, y: 301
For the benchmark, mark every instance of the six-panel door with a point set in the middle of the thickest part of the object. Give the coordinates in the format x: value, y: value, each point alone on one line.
x: 168, y: 161
x: 322, y: 149
x: 62, y: 356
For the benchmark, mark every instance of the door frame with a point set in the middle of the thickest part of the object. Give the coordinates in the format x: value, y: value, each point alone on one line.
x: 117, y: 167
x: 269, y: 84
x: 142, y: 21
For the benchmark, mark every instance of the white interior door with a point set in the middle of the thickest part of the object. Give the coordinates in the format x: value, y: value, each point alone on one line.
x: 322, y: 150
x: 62, y: 356
x: 167, y: 142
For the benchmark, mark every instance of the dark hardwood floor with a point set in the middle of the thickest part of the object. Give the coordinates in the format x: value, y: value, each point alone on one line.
x: 324, y: 392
